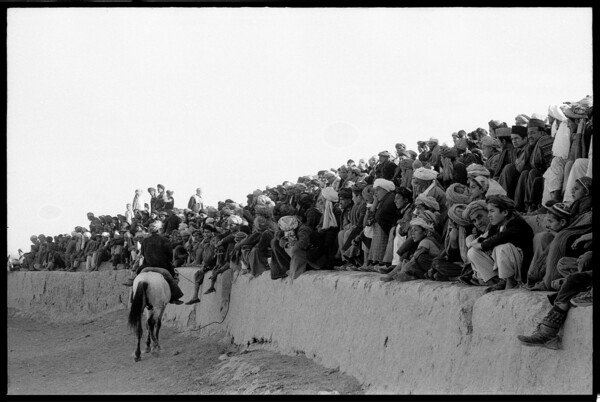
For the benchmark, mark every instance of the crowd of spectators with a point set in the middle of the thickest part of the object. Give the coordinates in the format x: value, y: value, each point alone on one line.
x: 509, y: 207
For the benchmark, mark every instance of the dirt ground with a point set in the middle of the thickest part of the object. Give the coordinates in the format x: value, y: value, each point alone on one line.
x: 95, y: 357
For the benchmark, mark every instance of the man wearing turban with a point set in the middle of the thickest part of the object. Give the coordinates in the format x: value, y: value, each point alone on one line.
x: 501, y: 256
x: 490, y: 148
x: 157, y: 253
x: 434, y: 151
x: 452, y: 169
x: 530, y: 188
x: 256, y: 248
x: 457, y: 193
x: 384, y: 219
x: 424, y: 182
x: 428, y: 247
x: 451, y: 263
x: 294, y: 247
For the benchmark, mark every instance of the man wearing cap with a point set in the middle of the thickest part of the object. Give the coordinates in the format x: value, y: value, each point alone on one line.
x: 520, y: 160
x: 506, y: 151
x: 434, y: 153
x: 556, y: 219
x: 345, y: 205
x: 153, y: 199
x: 70, y: 251
x: 529, y: 189
x: 490, y: 148
x: 90, y: 248
x: 385, y: 168
x: 353, y: 177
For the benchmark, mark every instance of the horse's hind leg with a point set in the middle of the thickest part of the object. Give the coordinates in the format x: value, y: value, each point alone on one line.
x: 158, y: 322
x: 147, y: 350
x: 139, y: 337
x: 157, y: 331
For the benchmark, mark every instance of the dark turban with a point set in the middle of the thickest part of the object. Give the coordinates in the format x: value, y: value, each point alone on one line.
x: 457, y: 193
x: 473, y: 207
x: 449, y: 153
x: 502, y: 202
x: 287, y: 209
x: 345, y: 193
x: 455, y: 212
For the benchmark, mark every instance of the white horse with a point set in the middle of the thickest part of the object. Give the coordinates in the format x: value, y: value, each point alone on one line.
x: 150, y: 290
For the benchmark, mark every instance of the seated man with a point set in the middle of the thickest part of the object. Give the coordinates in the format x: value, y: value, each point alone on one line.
x: 294, y: 247
x: 157, y: 253
x: 546, y: 333
x: 232, y: 258
x: 206, y: 259
x: 502, y: 255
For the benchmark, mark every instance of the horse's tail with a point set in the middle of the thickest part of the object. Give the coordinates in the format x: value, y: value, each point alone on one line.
x: 137, y: 306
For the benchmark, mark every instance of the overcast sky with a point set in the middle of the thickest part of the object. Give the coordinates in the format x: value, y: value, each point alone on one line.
x: 102, y: 101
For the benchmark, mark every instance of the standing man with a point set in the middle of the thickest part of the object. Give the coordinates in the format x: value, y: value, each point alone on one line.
x: 153, y: 198
x: 196, y: 203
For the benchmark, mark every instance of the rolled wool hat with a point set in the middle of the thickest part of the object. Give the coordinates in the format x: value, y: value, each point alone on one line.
x: 500, y: 132
x: 501, y: 201
x: 427, y: 201
x: 536, y: 123
x: 160, y: 186
x: 586, y: 182
x: 385, y: 153
x: 433, y: 139
x: 559, y: 209
x: 458, y: 193
x: 419, y: 221
x: 522, y: 119
x: 425, y: 174
x: 385, y: 184
x: 475, y: 169
x: 455, y: 212
x: 479, y: 205
x: 345, y: 193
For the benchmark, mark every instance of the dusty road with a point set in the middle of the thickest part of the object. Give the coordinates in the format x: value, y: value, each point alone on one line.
x: 96, y: 358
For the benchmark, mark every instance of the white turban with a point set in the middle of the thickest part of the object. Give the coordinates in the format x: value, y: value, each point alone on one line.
x: 105, y: 234
x: 425, y: 174
x: 330, y: 194
x: 234, y: 220
x: 155, y: 226
x: 418, y: 221
x: 556, y: 112
x: 288, y: 222
x: 539, y: 116
x: 87, y: 234
x: 384, y: 184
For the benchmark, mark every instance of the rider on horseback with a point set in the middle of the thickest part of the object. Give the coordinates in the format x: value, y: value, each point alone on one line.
x: 157, y: 253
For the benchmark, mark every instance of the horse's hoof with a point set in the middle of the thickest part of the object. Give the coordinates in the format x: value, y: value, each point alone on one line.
x: 147, y: 350
x: 137, y: 359
x: 156, y: 353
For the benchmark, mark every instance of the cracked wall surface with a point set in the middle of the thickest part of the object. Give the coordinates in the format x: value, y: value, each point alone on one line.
x: 419, y: 337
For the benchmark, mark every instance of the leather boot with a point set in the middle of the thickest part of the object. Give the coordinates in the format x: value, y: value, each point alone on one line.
x: 546, y: 333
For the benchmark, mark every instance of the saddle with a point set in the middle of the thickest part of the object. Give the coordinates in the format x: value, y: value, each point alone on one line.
x: 176, y: 292
x: 165, y: 273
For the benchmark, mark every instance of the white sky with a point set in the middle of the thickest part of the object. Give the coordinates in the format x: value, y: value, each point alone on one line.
x: 102, y: 101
